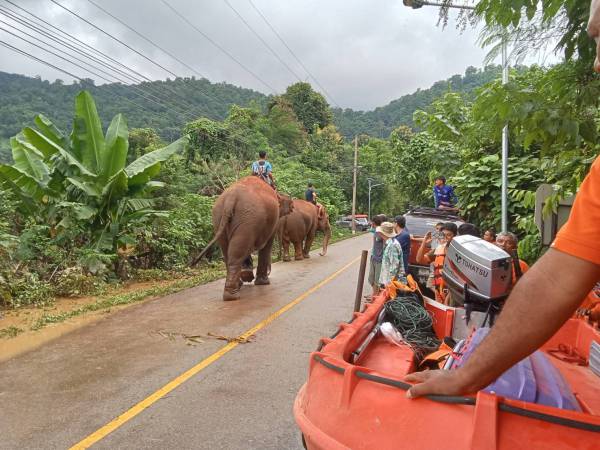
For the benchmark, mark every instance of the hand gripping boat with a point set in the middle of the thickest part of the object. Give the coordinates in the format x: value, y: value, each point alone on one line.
x: 550, y: 400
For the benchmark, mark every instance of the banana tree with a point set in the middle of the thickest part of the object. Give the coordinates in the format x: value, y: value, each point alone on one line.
x: 83, y: 178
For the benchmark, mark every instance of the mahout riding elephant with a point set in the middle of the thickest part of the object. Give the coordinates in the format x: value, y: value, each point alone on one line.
x: 245, y: 219
x: 300, y: 227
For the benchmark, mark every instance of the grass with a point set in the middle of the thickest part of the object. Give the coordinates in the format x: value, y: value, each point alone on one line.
x: 10, y: 332
x: 207, y: 274
x: 210, y: 273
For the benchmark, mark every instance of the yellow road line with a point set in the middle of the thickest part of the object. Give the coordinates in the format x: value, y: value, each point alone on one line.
x: 152, y: 398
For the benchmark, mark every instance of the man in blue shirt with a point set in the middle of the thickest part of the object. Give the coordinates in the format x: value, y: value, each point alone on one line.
x: 311, y: 195
x: 403, y: 237
x: 263, y: 169
x: 443, y: 194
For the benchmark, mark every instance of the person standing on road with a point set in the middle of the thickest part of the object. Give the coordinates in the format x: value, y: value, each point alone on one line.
x: 376, y: 253
x: 544, y: 299
x: 403, y: 237
x: 392, y: 265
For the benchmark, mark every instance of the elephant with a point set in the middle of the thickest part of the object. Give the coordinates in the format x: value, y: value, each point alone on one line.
x: 245, y: 217
x: 300, y: 227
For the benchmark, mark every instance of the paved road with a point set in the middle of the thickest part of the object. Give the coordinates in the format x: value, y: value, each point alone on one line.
x: 61, y: 393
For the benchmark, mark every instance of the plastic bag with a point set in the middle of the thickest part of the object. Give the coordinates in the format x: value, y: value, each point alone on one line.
x: 391, y: 334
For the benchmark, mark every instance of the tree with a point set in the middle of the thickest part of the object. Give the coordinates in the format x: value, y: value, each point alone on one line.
x: 310, y: 107
x: 84, y: 178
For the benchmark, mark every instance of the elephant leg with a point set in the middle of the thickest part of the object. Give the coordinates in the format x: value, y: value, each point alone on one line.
x: 247, y: 273
x: 264, y: 264
x: 298, y: 251
x: 310, y: 238
x: 238, y: 250
x: 286, y: 249
x: 232, y: 282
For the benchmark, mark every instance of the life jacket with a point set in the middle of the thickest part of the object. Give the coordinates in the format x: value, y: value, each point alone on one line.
x: 437, y: 359
x: 438, y: 265
x: 396, y: 286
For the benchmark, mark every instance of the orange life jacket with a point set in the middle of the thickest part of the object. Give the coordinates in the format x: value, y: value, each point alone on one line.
x: 438, y: 265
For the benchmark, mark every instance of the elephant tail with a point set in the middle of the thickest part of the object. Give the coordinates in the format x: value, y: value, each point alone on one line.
x: 225, y: 219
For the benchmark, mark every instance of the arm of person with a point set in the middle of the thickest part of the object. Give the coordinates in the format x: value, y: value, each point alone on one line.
x: 453, y: 197
x: 423, y: 254
x: 538, y: 306
x: 436, y: 201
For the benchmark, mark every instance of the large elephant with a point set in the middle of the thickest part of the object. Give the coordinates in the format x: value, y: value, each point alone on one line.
x: 300, y: 227
x: 245, y: 217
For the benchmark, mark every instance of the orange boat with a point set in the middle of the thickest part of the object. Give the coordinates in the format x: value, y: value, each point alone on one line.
x: 363, y: 405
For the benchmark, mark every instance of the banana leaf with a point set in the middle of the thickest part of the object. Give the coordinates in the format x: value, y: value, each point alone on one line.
x: 117, y: 144
x: 87, y: 138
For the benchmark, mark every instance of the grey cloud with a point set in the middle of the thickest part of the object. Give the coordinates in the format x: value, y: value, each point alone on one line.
x: 364, y: 52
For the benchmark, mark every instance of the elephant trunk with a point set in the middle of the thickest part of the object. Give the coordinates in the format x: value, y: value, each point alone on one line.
x: 326, y: 239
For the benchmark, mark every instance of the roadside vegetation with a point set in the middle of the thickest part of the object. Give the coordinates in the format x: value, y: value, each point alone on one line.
x: 74, y: 221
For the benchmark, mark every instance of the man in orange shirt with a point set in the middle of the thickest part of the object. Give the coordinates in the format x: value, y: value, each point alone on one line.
x: 544, y: 299
x: 509, y: 242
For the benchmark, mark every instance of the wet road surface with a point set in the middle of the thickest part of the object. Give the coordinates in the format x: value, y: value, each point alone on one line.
x: 63, y: 392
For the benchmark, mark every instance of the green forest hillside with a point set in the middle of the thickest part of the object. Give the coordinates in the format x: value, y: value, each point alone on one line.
x: 23, y: 97
x: 184, y: 99
x: 382, y: 120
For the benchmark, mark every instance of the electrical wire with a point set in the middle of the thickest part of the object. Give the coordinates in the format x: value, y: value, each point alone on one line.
x: 120, y: 42
x: 273, y: 52
x: 213, y: 42
x: 62, y: 42
x: 46, y: 63
x: 292, y: 52
x: 183, y: 63
x: 184, y: 115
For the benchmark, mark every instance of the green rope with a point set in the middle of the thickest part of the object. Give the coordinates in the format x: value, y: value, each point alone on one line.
x: 414, y: 322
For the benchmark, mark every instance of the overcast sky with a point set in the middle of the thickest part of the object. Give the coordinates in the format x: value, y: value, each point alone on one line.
x: 365, y: 53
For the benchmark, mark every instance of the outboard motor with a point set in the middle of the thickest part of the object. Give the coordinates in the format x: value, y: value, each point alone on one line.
x: 479, y: 274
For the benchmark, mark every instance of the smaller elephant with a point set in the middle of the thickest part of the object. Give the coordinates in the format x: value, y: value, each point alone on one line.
x: 299, y: 228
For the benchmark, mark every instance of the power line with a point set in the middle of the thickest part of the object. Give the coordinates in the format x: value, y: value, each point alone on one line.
x: 189, y: 116
x: 74, y: 39
x: 124, y: 44
x: 292, y: 52
x: 107, y: 87
x: 44, y: 31
x: 115, y: 39
x: 146, y: 95
x: 46, y: 63
x: 184, y: 115
x: 97, y: 60
x: 209, y: 39
x: 183, y: 101
x: 183, y: 63
x: 262, y: 40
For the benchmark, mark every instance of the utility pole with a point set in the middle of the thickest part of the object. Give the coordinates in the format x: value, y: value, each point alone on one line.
x: 354, y: 185
x: 371, y: 186
x: 416, y: 4
x: 504, y: 191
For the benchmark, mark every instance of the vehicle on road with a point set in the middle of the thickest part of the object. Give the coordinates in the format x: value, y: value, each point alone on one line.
x: 419, y: 221
x: 361, y: 220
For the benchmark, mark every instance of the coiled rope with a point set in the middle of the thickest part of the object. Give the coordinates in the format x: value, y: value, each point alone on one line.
x: 414, y: 322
